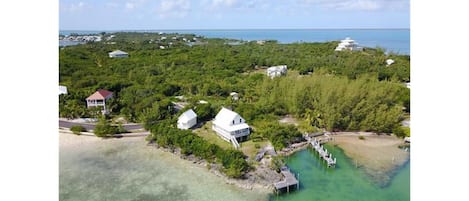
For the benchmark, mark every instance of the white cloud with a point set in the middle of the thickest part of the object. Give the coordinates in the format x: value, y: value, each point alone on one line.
x: 133, y: 4
x: 224, y: 3
x: 368, y: 5
x: 174, y: 8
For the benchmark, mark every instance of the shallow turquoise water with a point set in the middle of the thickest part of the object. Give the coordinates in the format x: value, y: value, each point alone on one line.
x: 345, y: 182
x: 128, y: 170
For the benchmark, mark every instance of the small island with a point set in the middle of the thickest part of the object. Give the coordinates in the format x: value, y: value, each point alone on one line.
x: 272, y: 98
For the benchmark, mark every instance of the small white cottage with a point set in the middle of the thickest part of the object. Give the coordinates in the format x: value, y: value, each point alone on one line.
x: 187, y: 119
x: 231, y: 127
x: 276, y: 71
x: 118, y: 54
x: 62, y: 90
x: 389, y: 62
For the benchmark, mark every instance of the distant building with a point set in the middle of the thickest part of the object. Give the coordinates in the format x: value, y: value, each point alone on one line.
x: 62, y: 90
x: 407, y: 84
x: 260, y: 42
x: 389, y: 62
x: 231, y: 127
x: 187, y: 120
x: 234, y: 96
x: 276, y: 71
x: 118, y: 54
x: 348, y: 44
x: 98, y: 99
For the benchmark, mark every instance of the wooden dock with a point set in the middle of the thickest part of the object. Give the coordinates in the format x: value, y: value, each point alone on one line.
x: 289, y: 181
x: 316, y: 144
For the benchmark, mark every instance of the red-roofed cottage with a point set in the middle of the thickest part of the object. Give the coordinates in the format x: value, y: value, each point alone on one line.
x: 98, y: 99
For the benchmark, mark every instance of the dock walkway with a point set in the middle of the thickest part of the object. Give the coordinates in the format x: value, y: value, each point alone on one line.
x: 316, y: 144
x: 289, y: 181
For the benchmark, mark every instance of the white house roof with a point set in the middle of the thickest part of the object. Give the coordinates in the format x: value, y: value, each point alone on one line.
x: 225, y: 117
x: 117, y: 52
x: 62, y: 89
x: 389, y: 61
x: 187, y: 115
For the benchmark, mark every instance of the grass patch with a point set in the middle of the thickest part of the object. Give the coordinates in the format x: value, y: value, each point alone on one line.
x: 208, y: 134
x: 249, y: 147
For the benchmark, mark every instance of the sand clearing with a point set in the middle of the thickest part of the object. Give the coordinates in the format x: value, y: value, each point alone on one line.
x: 378, y: 155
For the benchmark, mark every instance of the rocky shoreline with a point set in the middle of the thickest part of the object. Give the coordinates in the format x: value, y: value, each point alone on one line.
x: 261, y: 178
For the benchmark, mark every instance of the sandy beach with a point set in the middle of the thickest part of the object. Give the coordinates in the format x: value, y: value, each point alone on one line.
x: 378, y: 155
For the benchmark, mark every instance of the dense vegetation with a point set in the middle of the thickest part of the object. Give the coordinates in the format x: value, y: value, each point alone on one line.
x: 164, y: 134
x: 324, y: 89
x: 327, y: 89
x: 104, y: 128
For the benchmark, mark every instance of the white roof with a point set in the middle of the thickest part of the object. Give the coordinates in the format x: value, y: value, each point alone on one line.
x: 233, y: 93
x: 187, y: 115
x: 62, y: 89
x: 225, y: 117
x: 118, y: 52
x: 389, y: 61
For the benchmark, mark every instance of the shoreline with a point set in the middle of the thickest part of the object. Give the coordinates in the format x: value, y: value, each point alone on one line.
x: 377, y: 155
x: 252, y: 180
x: 381, y: 169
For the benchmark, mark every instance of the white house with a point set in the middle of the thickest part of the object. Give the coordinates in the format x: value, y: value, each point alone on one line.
x: 62, y: 89
x: 231, y: 127
x: 234, y: 96
x: 348, y: 44
x: 98, y: 99
x: 187, y: 119
x: 276, y: 71
x: 118, y: 54
x: 389, y: 62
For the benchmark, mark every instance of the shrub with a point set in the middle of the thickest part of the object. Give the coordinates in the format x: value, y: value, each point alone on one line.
x: 257, y: 146
x: 361, y: 137
x: 103, y: 128
x: 77, y: 129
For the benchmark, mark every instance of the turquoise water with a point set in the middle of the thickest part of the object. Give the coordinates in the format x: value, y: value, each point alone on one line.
x: 118, y: 169
x: 395, y: 40
x: 128, y: 170
x: 345, y: 182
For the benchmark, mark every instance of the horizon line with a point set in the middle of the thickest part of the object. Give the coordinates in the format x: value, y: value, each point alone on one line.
x: 233, y: 29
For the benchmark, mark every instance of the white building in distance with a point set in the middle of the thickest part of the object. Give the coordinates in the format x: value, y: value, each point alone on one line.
x: 348, y: 44
x: 62, y: 90
x: 231, y: 127
x: 187, y: 120
x: 389, y: 62
x: 118, y: 54
x: 276, y: 71
x: 234, y: 96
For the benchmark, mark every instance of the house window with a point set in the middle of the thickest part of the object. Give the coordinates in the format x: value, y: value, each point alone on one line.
x: 233, y: 121
x: 239, y: 120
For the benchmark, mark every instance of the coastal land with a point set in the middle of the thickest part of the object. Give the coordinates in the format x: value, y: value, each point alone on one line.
x: 126, y: 168
x: 378, y: 155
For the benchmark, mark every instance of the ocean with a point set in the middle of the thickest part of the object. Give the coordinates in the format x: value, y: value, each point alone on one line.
x: 128, y: 169
x: 392, y: 40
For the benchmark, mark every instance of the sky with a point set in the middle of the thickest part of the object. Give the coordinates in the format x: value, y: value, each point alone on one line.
x: 232, y: 14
